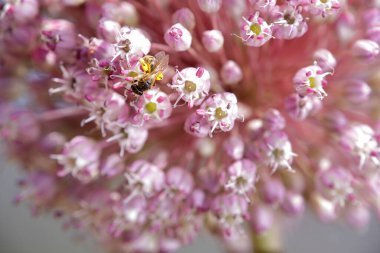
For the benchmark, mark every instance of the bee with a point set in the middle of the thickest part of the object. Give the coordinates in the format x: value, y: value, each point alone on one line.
x: 152, y: 67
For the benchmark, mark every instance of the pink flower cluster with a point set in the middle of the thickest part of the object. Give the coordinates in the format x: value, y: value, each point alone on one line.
x: 147, y: 121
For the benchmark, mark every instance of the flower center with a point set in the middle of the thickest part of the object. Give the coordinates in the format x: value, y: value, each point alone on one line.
x: 312, y: 82
x: 289, y: 19
x: 278, y: 153
x: 190, y: 86
x: 151, y: 107
x: 125, y: 45
x: 255, y: 28
x: 220, y: 114
x: 324, y: 1
x: 241, y: 182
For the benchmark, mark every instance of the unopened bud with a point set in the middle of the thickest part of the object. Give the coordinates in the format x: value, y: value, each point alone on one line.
x: 178, y: 38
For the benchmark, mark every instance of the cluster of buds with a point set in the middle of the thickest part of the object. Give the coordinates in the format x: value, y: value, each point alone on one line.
x: 146, y: 122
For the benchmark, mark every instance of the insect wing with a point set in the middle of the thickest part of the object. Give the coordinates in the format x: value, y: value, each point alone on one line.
x: 162, y: 62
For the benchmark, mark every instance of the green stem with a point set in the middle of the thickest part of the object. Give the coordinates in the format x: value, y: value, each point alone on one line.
x: 268, y: 242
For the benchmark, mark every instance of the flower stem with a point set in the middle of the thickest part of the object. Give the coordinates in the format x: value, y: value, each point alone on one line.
x: 268, y: 242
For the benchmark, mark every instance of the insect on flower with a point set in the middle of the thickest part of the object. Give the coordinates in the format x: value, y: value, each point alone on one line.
x: 152, y: 67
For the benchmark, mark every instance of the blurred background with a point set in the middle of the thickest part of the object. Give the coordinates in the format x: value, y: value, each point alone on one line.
x: 20, y: 233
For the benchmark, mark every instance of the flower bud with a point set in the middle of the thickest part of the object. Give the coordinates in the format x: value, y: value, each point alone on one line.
x: 357, y: 91
x: 373, y: 34
x: 261, y: 219
x: 180, y: 180
x: 59, y: 36
x: 178, y: 38
x: 335, y: 121
x: 197, y: 125
x: 324, y: 208
x: 346, y: 26
x: 108, y: 30
x: 301, y: 107
x: 365, y: 49
x: 210, y: 6
x: 123, y: 13
x: 357, y: 216
x: 272, y: 191
x: 112, y: 166
x: 273, y: 120
x: 21, y: 12
x: 325, y: 59
x: 73, y: 2
x: 234, y: 147
x: 235, y: 8
x: 371, y: 17
x: 212, y: 40
x: 231, y: 73
x: 293, y: 204
x: 186, y: 17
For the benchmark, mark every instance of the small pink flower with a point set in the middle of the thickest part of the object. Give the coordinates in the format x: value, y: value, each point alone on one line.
x: 255, y: 31
x: 360, y: 141
x: 221, y: 110
x: 145, y: 178
x: 179, y: 180
x: 324, y: 8
x: 230, y: 210
x: 192, y: 85
x: 311, y: 81
x: 335, y: 184
x: 300, y: 108
x: 241, y: 177
x: 130, y: 138
x: 108, y: 30
x: 131, y: 42
x: 60, y: 36
x: 153, y: 104
x: 290, y: 24
x: 278, y: 151
x: 80, y: 158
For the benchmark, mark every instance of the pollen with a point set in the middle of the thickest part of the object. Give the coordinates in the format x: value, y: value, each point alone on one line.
x: 220, y: 114
x: 151, y: 107
x: 159, y: 76
x: 312, y: 82
x: 145, y: 66
x: 255, y: 28
x: 190, y: 86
